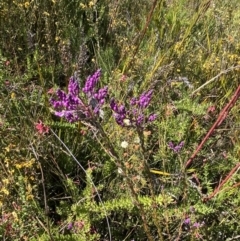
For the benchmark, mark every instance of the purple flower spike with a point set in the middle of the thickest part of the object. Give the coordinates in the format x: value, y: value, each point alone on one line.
x: 73, y: 86
x: 70, y: 105
x: 70, y: 226
x: 101, y: 94
x: 145, y: 99
x: 122, y: 110
x: 135, y: 113
x: 91, y: 83
x: 98, y: 99
x: 196, y: 225
x: 152, y: 117
x: 133, y: 101
x: 61, y: 95
x: 113, y: 105
x: 187, y: 221
x: 119, y: 119
x: 176, y: 148
x: 119, y: 112
x: 140, y: 120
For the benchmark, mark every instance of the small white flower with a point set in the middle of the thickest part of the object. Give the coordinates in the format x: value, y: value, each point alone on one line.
x: 124, y: 144
x: 120, y: 171
x: 136, y: 140
x: 127, y: 122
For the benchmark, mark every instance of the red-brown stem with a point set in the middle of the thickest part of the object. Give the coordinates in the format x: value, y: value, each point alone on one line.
x: 219, y: 120
x: 143, y: 32
x: 235, y: 185
x: 145, y: 27
x: 223, y: 182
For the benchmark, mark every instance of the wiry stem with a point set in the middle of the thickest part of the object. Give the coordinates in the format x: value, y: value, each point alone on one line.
x: 221, y: 117
x: 151, y: 185
x: 108, y: 147
x: 79, y: 164
x: 223, y: 182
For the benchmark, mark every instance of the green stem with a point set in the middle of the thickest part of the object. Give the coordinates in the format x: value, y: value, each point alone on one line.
x: 156, y: 218
x: 112, y: 153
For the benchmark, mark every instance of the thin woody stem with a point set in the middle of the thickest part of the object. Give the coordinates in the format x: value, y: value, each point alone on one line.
x: 223, y: 182
x: 112, y: 153
x: 221, y: 117
x: 151, y: 186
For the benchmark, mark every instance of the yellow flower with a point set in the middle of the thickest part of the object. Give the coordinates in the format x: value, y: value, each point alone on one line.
x: 19, y: 166
x: 15, y: 216
x: 57, y: 38
x: 5, y: 191
x: 91, y: 3
x: 83, y: 6
x: 46, y: 13
x: 7, y: 149
x: 29, y: 163
x: 5, y: 181
x: 26, y: 4
x: 29, y: 197
x: 13, y: 95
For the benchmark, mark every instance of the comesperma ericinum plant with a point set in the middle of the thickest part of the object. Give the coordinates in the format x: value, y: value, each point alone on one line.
x: 85, y: 105
x: 72, y: 107
x: 135, y: 115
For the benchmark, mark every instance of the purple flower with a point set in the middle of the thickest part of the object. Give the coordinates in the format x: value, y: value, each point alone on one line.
x: 113, y: 105
x: 101, y: 95
x: 70, y: 105
x: 91, y: 83
x: 187, y: 221
x: 119, y: 112
x: 122, y: 110
x: 145, y: 99
x: 140, y: 120
x: 73, y: 86
x: 196, y: 225
x: 152, y: 117
x: 176, y: 148
x: 133, y: 101
x: 70, y: 226
x: 135, y: 113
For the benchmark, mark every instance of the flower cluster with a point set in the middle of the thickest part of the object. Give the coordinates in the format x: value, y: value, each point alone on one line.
x: 71, y: 106
x: 96, y: 98
x: 91, y: 82
x: 187, y: 221
x: 41, y: 128
x: 176, y: 148
x: 193, y: 226
x: 143, y: 101
x: 76, y: 226
x: 119, y: 112
x: 135, y: 114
